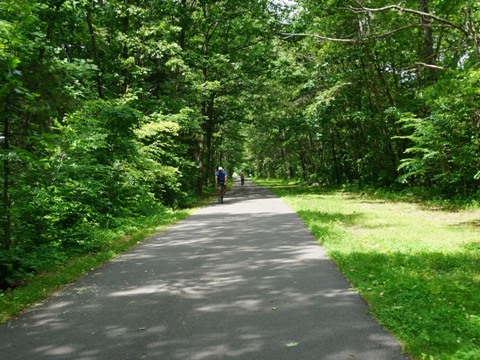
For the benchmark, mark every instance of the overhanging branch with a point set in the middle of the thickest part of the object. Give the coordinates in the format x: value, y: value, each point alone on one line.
x: 432, y: 66
x: 411, y: 11
x: 359, y: 40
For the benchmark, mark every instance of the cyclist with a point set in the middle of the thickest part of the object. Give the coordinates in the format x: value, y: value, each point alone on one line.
x: 221, y: 181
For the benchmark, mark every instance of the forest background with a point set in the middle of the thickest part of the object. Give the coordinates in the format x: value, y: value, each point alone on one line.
x: 115, y: 110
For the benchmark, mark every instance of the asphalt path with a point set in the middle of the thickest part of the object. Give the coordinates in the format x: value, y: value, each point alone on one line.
x: 239, y: 280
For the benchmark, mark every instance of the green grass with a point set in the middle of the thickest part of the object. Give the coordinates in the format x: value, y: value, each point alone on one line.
x: 417, y: 266
x: 42, y: 285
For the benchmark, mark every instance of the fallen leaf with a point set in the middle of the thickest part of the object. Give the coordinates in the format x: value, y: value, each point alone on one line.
x: 292, y: 344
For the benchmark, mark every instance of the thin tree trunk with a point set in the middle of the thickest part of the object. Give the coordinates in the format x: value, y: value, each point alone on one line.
x: 427, y: 51
x: 304, y: 165
x: 201, y: 155
x: 95, y: 51
x: 6, y: 185
x: 209, y: 128
x: 472, y: 30
x: 125, y: 27
x: 285, y: 165
x: 335, y: 161
x: 184, y: 19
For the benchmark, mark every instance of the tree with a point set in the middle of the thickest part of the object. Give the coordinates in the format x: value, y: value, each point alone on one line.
x: 227, y: 43
x: 363, y: 67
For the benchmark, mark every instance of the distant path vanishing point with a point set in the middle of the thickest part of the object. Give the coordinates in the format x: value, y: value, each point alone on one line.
x: 239, y: 280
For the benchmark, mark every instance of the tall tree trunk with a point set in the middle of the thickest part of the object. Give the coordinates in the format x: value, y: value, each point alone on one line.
x: 184, y: 20
x: 204, y: 138
x: 183, y: 23
x: 6, y: 184
x: 208, y: 130
x: 125, y: 27
x: 304, y: 165
x: 207, y: 115
x: 200, y: 160
x: 335, y: 160
x: 285, y: 164
x: 427, y: 52
x: 96, y: 57
x: 473, y: 32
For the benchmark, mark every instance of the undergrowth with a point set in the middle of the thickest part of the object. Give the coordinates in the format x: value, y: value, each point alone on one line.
x: 55, y: 269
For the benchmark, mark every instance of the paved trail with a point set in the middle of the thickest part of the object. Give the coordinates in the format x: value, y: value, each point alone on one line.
x: 239, y: 280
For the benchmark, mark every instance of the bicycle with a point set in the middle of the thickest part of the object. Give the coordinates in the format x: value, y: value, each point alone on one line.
x: 221, y: 192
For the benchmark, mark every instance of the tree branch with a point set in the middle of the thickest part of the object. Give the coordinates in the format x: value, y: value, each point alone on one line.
x: 360, y: 40
x: 325, y: 38
x: 411, y: 11
x: 432, y: 66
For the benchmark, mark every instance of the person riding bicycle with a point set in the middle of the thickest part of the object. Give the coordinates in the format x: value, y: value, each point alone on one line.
x: 221, y: 178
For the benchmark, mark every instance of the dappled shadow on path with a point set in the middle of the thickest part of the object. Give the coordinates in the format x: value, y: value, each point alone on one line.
x: 238, y: 280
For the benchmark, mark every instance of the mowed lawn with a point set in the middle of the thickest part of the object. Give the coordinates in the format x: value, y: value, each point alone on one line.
x: 417, y: 266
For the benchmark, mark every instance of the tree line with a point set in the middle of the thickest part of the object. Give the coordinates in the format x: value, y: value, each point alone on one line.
x: 376, y: 93
x: 118, y: 109
x: 115, y: 109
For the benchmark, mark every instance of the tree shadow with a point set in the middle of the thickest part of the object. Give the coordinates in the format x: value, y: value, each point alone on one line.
x: 403, y: 289
x: 239, y: 280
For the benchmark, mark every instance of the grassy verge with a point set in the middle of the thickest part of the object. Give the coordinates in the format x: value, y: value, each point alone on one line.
x: 44, y: 284
x: 417, y: 266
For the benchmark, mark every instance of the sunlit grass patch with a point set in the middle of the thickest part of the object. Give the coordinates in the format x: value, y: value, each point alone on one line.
x: 418, y: 267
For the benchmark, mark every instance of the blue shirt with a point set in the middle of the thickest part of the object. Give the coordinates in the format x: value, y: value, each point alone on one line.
x: 221, y: 174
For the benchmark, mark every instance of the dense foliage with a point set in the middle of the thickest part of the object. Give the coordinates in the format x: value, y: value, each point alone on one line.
x: 115, y: 109
x: 375, y: 93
